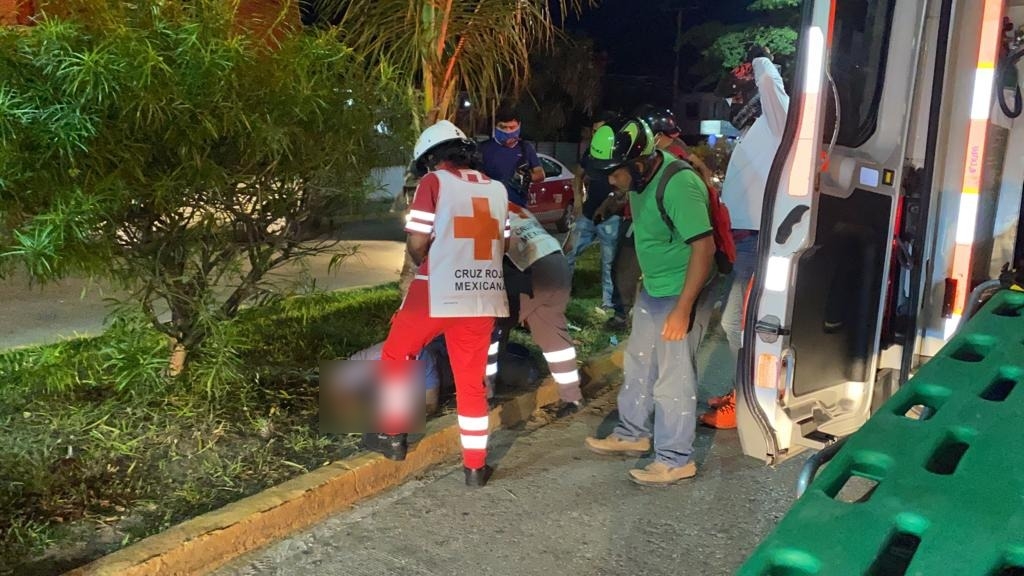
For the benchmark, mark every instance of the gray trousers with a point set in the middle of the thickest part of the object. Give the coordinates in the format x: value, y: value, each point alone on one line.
x: 660, y: 382
x: 539, y: 300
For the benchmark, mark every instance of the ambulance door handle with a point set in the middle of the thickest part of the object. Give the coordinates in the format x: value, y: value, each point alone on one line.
x: 791, y: 220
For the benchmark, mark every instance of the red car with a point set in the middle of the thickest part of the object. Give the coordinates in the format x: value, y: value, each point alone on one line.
x: 552, y: 200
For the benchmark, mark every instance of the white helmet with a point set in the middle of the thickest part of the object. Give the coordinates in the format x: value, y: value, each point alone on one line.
x: 443, y: 131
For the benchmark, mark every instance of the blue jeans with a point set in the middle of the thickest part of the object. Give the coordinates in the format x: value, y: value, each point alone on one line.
x: 661, y: 381
x: 586, y: 233
x: 733, y: 301
x: 731, y: 291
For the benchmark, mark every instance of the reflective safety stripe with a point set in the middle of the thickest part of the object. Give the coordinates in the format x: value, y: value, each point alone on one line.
x: 566, y: 377
x: 977, y: 135
x: 418, y: 227
x: 491, y: 370
x: 470, y: 442
x: 421, y: 277
x: 422, y: 216
x: 474, y: 424
x: 805, y: 158
x: 493, y: 348
x: 777, y: 275
x: 561, y: 355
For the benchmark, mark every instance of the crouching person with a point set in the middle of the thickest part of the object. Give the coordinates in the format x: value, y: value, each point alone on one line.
x: 456, y: 235
x: 676, y: 255
x: 538, y: 282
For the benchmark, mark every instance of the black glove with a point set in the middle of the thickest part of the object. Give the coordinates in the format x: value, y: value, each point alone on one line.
x: 758, y: 51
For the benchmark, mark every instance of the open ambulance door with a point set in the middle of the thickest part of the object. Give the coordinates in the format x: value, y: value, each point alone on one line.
x: 812, y: 334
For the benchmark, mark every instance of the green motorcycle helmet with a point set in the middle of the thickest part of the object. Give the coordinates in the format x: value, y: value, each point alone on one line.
x: 620, y: 143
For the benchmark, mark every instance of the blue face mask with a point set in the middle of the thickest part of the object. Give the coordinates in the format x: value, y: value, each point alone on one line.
x: 507, y: 138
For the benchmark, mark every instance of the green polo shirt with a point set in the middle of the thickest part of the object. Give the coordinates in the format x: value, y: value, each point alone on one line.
x: 664, y: 256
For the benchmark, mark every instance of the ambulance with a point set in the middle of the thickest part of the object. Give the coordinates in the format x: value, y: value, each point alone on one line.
x: 895, y: 194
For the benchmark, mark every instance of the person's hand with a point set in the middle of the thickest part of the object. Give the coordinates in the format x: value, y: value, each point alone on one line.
x: 677, y: 324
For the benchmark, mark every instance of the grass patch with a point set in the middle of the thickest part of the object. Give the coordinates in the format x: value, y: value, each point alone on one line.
x: 101, y: 450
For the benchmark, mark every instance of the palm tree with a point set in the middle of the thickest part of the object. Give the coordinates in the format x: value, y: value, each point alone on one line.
x: 442, y: 48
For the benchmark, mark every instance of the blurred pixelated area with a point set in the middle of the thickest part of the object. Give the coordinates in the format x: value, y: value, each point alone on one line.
x: 372, y: 396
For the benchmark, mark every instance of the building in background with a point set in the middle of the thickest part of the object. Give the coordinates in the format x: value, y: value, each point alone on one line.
x: 696, y: 108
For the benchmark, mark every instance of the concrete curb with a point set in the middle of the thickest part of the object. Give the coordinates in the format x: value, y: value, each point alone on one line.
x: 204, y: 543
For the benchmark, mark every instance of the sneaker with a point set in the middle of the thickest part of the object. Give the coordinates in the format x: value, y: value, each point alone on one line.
x: 618, y: 446
x: 717, y: 401
x: 568, y: 408
x: 478, y: 477
x: 661, y: 474
x: 391, y: 446
x: 722, y: 418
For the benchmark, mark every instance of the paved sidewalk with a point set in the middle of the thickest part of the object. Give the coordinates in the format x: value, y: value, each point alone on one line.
x: 75, y: 307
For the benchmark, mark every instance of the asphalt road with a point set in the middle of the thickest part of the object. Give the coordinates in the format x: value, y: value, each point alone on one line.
x: 553, y: 508
x: 74, y: 307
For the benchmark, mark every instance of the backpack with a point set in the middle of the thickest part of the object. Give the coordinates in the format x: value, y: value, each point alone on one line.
x: 721, y: 223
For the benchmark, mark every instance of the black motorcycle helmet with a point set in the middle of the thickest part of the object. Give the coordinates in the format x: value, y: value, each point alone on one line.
x: 660, y: 120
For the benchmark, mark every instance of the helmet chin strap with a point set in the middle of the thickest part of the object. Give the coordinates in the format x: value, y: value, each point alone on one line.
x: 641, y: 179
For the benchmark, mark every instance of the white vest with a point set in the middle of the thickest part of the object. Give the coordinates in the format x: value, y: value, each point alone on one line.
x: 465, y: 256
x: 530, y: 241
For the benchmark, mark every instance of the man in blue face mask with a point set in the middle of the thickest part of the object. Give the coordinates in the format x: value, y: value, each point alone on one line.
x: 511, y: 160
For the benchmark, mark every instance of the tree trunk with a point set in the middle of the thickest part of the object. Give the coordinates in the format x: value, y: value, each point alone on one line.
x: 179, y: 355
x: 408, y: 275
x: 408, y: 268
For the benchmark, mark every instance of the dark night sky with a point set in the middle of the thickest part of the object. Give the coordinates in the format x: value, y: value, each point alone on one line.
x: 639, y: 37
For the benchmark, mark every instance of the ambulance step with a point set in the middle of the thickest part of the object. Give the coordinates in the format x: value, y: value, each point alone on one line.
x: 816, y: 440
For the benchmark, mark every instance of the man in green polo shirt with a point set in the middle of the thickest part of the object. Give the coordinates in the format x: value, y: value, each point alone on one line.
x: 676, y: 251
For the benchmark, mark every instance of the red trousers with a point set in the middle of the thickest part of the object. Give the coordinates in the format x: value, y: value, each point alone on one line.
x: 467, y: 339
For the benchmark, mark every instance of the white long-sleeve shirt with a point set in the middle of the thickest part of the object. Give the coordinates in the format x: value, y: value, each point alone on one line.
x: 751, y: 161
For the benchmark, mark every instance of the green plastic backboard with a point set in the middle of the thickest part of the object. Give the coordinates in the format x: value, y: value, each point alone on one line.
x: 945, y: 456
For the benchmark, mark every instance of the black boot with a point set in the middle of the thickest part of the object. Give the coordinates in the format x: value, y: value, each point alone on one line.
x: 391, y: 446
x: 478, y: 477
x: 569, y: 408
x: 617, y: 323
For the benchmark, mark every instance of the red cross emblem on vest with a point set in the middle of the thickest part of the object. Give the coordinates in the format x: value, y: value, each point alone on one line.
x: 482, y: 228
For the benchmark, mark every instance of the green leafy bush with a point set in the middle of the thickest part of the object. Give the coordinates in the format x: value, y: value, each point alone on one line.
x: 158, y: 144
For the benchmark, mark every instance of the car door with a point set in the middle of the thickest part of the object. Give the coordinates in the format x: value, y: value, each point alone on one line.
x: 551, y: 200
x: 812, y: 329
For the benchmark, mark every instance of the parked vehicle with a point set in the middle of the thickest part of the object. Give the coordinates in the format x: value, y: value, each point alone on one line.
x: 551, y: 200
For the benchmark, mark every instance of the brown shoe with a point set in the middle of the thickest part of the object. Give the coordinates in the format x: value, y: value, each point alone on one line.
x: 660, y: 474
x: 619, y: 446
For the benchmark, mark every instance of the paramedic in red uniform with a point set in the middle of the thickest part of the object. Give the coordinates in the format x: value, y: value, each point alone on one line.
x: 456, y: 235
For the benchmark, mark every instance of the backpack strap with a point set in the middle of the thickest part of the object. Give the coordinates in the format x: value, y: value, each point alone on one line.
x: 674, y: 167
